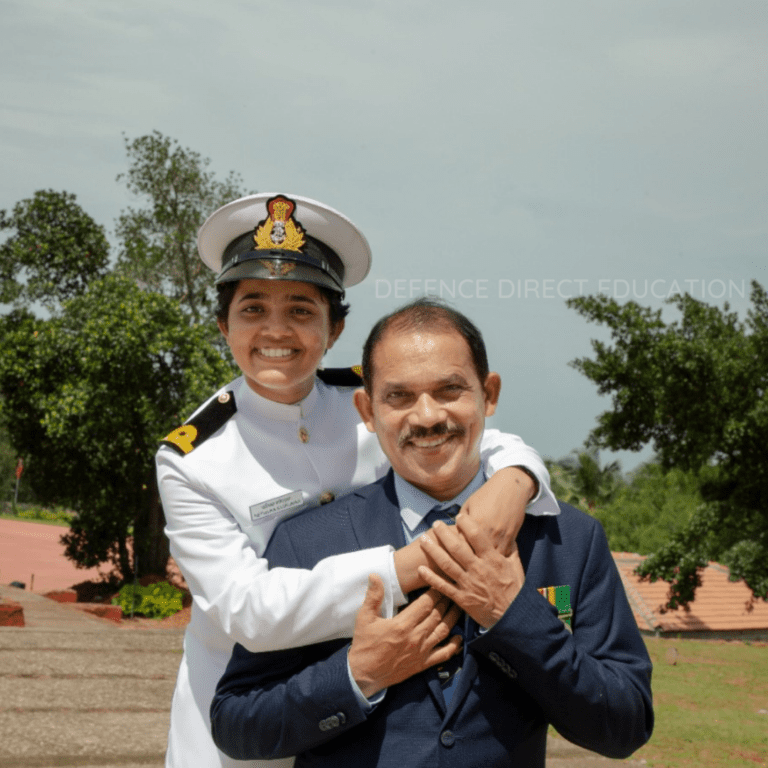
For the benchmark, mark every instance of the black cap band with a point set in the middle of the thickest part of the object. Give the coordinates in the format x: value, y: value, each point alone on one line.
x: 314, y: 254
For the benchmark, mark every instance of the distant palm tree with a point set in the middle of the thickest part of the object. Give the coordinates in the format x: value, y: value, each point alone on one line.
x: 579, y: 479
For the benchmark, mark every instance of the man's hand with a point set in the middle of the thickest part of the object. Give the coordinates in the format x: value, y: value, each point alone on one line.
x: 499, y: 506
x: 482, y: 581
x: 388, y: 651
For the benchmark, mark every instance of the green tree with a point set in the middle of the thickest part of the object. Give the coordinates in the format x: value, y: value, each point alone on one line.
x: 88, y: 394
x: 580, y: 479
x: 651, y: 508
x: 159, y: 240
x: 561, y: 483
x: 695, y: 388
x: 53, y: 251
x: 8, y: 461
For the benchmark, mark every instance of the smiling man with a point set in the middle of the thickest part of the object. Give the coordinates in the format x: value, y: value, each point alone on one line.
x: 547, y: 635
x: 429, y: 405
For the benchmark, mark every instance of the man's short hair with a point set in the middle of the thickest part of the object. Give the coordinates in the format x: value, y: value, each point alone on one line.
x: 426, y: 313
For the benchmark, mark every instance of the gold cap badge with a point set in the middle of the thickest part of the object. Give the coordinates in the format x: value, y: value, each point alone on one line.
x: 279, y: 230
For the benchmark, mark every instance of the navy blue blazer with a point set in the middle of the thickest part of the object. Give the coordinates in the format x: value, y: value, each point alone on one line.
x: 528, y: 670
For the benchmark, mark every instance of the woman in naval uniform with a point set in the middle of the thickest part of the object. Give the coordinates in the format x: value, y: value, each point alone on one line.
x: 280, y: 438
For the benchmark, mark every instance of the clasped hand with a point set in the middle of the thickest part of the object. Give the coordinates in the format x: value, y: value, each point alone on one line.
x: 478, y: 578
x: 388, y: 651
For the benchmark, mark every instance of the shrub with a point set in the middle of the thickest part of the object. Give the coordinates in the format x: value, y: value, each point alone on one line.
x: 37, y: 512
x: 55, y: 515
x: 156, y: 601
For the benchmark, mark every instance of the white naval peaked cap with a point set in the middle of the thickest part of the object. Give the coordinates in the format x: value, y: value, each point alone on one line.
x: 277, y: 236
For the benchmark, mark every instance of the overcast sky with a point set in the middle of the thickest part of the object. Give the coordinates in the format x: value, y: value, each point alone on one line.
x: 505, y: 154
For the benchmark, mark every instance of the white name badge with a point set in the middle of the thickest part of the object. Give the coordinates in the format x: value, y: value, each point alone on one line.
x: 275, y: 506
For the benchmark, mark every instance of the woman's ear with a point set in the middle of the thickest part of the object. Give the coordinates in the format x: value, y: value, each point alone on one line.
x: 335, y: 333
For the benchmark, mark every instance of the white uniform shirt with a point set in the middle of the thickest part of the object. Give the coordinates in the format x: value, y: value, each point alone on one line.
x: 221, y: 503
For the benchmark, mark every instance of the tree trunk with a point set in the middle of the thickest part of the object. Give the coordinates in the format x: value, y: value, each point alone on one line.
x: 149, y: 538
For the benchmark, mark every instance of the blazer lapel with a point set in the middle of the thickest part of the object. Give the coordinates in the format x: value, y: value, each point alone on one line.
x: 435, y: 690
x: 464, y: 683
x: 377, y: 521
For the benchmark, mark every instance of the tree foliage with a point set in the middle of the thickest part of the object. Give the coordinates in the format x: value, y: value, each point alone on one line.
x: 649, y: 509
x: 88, y: 394
x: 159, y: 239
x: 581, y: 480
x: 695, y: 388
x: 8, y: 461
x: 53, y: 251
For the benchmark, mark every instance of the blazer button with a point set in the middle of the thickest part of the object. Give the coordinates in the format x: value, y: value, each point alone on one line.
x: 327, y: 496
x: 447, y: 739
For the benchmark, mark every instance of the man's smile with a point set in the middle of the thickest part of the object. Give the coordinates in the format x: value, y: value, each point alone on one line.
x: 430, y: 443
x: 433, y: 437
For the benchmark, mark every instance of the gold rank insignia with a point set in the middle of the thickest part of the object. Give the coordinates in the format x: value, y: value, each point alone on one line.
x: 183, y: 438
x: 202, y: 425
x: 279, y: 230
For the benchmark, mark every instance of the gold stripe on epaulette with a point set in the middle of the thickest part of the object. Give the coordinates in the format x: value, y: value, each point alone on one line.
x: 183, y: 438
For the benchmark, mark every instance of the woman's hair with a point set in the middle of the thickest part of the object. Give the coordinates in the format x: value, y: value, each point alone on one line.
x: 337, y: 309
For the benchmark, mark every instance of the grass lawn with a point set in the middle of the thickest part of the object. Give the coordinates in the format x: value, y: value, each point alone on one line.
x: 707, y: 696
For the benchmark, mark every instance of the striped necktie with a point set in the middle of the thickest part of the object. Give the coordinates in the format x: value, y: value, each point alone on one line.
x: 446, y: 515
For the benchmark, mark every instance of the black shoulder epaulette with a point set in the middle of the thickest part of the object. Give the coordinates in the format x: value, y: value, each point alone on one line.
x: 342, y: 377
x: 202, y: 425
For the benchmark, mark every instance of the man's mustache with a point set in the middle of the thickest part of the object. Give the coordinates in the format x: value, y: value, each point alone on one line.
x: 443, y: 429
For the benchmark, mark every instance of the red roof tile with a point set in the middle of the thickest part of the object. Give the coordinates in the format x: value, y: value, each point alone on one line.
x: 720, y: 604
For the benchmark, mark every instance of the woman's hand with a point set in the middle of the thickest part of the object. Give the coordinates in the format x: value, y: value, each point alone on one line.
x: 498, y: 506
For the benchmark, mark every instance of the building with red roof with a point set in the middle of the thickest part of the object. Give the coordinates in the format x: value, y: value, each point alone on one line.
x: 722, y: 608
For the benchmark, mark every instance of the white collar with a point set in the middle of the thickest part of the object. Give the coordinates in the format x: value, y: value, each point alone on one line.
x: 253, y: 404
x: 415, y: 504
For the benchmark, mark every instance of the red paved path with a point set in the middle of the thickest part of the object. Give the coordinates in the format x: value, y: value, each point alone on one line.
x: 34, y: 548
